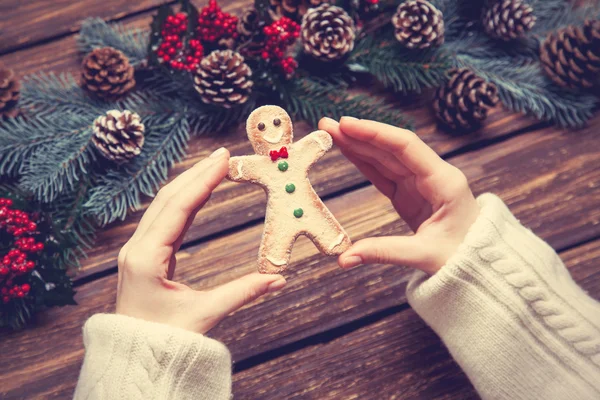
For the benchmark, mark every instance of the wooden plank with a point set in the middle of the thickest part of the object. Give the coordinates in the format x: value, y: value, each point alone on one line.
x: 234, y: 205
x: 398, y: 357
x: 25, y: 23
x: 562, y: 192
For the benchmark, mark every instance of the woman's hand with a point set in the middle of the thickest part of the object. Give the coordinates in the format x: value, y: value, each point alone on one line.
x: 147, y: 261
x: 432, y: 196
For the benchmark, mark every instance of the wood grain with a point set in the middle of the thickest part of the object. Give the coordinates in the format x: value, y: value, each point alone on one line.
x: 549, y: 180
x: 398, y: 357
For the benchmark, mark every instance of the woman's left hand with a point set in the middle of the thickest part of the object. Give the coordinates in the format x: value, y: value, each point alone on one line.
x: 147, y: 261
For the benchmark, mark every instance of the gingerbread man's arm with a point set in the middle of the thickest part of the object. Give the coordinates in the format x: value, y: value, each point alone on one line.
x: 246, y: 169
x: 317, y: 143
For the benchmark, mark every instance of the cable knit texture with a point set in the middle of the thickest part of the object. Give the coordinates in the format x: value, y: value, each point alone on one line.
x: 128, y: 358
x: 510, y: 313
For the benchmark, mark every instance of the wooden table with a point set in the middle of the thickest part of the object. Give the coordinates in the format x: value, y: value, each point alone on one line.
x: 330, y: 333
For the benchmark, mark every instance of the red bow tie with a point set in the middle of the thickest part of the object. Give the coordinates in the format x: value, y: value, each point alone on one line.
x: 276, y: 154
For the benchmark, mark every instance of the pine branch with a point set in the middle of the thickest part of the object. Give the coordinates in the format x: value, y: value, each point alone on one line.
x: 396, y: 67
x: 132, y: 42
x: 310, y: 99
x: 53, y: 95
x: 20, y: 138
x: 121, y: 189
x: 57, y: 166
x: 524, y: 88
x: 50, y: 94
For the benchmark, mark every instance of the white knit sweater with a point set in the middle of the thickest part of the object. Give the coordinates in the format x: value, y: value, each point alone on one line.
x: 504, y: 305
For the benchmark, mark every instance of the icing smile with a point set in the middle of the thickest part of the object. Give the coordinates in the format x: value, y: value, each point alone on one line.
x: 273, y: 137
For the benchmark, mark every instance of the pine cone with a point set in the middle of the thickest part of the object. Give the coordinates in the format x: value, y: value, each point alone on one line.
x: 248, y: 23
x: 119, y: 136
x: 462, y: 104
x: 509, y: 19
x: 9, y: 93
x: 106, y: 72
x: 571, y: 56
x: 250, y: 33
x: 223, y: 78
x: 327, y: 32
x: 418, y: 24
x: 294, y: 9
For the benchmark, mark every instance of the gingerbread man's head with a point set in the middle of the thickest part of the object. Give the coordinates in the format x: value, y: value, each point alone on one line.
x: 269, y: 128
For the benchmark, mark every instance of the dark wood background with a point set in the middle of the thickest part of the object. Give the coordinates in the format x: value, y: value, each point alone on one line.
x: 329, y: 333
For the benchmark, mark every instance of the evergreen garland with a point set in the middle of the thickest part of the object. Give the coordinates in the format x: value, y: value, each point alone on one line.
x: 514, y: 67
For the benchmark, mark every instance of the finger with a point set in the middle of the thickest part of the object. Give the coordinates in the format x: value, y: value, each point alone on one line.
x: 175, y: 186
x: 172, y: 218
x: 229, y: 297
x: 179, y: 241
x: 364, y: 150
x: 384, y: 185
x: 406, y: 146
x: 398, y: 250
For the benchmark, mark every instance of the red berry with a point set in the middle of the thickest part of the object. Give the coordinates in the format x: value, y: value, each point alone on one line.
x: 25, y: 287
x: 5, y: 299
x: 4, y: 271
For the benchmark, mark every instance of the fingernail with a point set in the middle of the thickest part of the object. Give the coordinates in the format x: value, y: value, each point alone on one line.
x: 351, y: 118
x: 351, y: 261
x: 276, y: 285
x: 217, y: 153
x: 330, y: 120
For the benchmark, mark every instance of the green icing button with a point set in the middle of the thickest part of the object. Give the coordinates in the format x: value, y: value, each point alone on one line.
x: 298, y: 213
x: 290, y: 187
x: 283, y: 166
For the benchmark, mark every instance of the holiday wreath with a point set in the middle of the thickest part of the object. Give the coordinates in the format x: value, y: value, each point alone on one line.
x: 86, y: 149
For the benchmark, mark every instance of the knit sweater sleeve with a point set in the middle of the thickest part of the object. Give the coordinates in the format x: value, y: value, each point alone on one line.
x: 510, y: 313
x: 128, y: 358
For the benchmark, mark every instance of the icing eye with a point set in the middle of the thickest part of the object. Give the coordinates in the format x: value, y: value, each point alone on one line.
x: 261, y: 126
x: 276, y: 122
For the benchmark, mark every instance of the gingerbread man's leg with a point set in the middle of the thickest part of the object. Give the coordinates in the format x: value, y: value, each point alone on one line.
x: 275, y: 249
x: 332, y: 241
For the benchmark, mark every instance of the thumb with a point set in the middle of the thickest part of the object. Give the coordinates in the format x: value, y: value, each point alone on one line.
x: 235, y: 294
x: 401, y: 250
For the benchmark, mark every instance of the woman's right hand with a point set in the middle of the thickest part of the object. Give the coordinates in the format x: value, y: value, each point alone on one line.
x: 432, y: 196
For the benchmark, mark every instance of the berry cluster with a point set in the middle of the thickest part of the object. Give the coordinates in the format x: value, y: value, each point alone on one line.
x: 16, y: 262
x: 281, y: 35
x: 214, y: 24
x: 15, y: 291
x: 172, y: 51
x: 15, y: 222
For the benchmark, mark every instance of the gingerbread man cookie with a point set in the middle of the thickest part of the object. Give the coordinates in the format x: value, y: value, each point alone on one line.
x: 293, y: 206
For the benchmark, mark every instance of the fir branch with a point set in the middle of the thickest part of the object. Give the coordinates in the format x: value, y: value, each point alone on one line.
x: 95, y: 33
x: 310, y: 99
x: 51, y: 94
x: 396, y: 67
x: 55, y: 167
x: 524, y: 88
x: 121, y: 189
x: 20, y: 138
x: 54, y: 95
